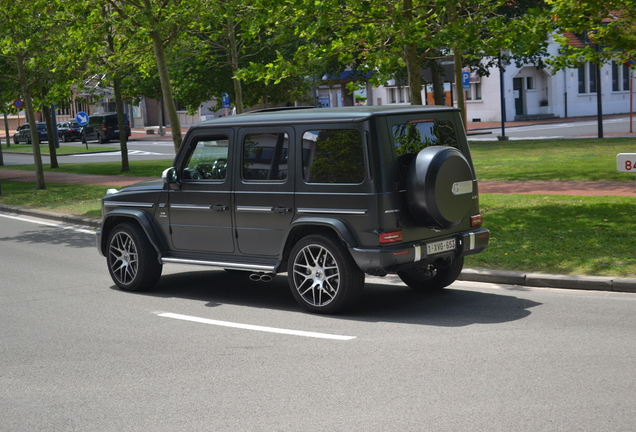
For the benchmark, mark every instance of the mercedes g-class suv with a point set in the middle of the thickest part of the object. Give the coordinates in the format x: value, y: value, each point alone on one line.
x: 325, y: 195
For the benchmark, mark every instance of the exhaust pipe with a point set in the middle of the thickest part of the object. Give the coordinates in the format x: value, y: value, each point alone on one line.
x: 261, y: 277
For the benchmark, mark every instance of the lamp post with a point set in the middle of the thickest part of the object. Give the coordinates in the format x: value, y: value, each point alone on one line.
x: 503, y: 136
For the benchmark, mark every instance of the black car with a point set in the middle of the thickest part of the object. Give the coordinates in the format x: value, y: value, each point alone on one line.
x: 103, y: 128
x: 324, y: 195
x: 23, y: 133
x: 69, y: 131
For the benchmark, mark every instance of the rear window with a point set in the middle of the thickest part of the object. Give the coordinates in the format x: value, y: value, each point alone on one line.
x: 333, y: 156
x: 414, y: 135
x: 41, y: 127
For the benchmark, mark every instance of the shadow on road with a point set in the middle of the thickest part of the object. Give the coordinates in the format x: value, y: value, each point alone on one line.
x: 54, y: 237
x: 452, y: 307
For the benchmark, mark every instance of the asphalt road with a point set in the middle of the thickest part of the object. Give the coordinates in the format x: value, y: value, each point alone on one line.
x: 565, y: 129
x: 208, y: 350
x: 137, y: 150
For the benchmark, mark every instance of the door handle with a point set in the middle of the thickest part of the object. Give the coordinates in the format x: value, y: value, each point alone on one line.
x: 282, y: 210
x: 220, y: 208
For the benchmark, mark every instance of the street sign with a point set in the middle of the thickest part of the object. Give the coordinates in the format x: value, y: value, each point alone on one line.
x: 17, y: 103
x: 225, y: 100
x: 626, y: 162
x: 82, y: 118
x: 466, y: 80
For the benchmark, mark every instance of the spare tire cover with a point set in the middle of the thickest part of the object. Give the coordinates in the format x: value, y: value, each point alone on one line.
x: 439, y: 187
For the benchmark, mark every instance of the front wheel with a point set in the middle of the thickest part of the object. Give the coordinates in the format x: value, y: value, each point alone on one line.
x: 322, y: 275
x: 433, y: 277
x: 132, y: 261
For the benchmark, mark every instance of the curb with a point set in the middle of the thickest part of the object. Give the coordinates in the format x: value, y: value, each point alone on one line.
x: 70, y: 219
x: 506, y: 277
x: 546, y: 280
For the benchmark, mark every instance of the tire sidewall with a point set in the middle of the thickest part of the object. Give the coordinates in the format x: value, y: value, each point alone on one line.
x: 148, y: 266
x: 351, y: 278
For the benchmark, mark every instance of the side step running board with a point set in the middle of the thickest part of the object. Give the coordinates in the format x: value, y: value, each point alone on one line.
x: 222, y: 264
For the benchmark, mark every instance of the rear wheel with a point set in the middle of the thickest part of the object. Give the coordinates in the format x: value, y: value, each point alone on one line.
x: 322, y: 275
x: 132, y: 261
x: 433, y: 277
x: 100, y: 139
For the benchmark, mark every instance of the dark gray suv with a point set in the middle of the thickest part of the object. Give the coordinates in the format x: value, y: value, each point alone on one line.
x: 324, y: 195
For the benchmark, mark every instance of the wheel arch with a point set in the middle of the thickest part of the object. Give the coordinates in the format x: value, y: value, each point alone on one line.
x: 305, y: 226
x: 138, y: 217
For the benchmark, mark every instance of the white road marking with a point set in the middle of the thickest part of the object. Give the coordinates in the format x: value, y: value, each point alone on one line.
x: 118, y: 153
x: 42, y: 222
x: 254, y: 327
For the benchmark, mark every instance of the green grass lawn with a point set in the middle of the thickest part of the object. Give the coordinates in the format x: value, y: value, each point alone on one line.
x: 532, y: 233
x: 572, y: 159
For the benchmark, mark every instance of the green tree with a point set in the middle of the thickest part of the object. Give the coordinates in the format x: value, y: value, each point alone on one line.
x: 25, y: 27
x: 161, y: 22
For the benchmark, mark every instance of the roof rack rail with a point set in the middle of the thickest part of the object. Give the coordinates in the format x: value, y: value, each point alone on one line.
x: 280, y: 109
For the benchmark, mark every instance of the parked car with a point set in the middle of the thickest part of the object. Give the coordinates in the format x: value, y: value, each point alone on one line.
x: 103, y: 128
x: 324, y: 195
x: 69, y: 131
x: 23, y: 133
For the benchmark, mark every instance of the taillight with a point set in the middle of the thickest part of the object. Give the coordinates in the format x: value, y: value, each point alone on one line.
x: 105, y: 128
x: 391, y: 237
x: 476, y: 220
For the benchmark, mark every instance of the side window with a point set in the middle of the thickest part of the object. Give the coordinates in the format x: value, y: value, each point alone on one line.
x: 412, y: 136
x: 265, y: 156
x: 208, y: 160
x: 333, y: 156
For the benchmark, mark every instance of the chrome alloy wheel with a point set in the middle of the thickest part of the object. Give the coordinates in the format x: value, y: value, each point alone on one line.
x: 316, y: 275
x: 122, y: 258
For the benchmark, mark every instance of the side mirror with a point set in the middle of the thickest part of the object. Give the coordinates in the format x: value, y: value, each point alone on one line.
x: 170, y: 178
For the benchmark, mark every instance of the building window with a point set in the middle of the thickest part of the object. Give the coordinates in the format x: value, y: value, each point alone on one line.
x: 620, y: 77
x: 398, y: 95
x: 474, y: 93
x: 587, y: 78
x: 529, y: 83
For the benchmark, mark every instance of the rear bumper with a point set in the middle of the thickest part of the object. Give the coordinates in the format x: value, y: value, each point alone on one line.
x: 390, y: 259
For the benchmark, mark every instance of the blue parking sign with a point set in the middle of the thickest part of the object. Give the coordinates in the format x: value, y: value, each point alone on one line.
x: 466, y: 80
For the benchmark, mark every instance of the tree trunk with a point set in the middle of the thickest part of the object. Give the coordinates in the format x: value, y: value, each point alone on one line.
x: 166, y: 89
x: 6, y: 129
x: 234, y: 62
x: 411, y: 59
x: 119, y: 107
x: 30, y: 114
x: 461, y: 103
x: 123, y: 138
x: 50, y: 134
x: 437, y: 74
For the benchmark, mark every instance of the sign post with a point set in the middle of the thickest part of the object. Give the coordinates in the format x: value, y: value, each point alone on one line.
x: 18, y: 104
x: 82, y: 120
x: 225, y: 100
x: 626, y: 162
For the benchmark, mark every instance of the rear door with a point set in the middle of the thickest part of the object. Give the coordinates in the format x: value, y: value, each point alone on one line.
x: 264, y: 192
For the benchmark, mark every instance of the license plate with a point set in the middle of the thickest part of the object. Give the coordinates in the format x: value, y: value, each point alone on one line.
x: 440, y: 246
x: 116, y: 131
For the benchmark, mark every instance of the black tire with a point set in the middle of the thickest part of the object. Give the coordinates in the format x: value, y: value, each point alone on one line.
x: 64, y: 138
x: 100, y: 140
x: 439, y: 187
x: 323, y: 277
x: 83, y: 139
x: 133, y: 262
x: 28, y: 140
x: 434, y: 278
x: 16, y: 140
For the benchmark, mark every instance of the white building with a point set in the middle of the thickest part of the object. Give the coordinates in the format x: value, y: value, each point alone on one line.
x: 530, y: 92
